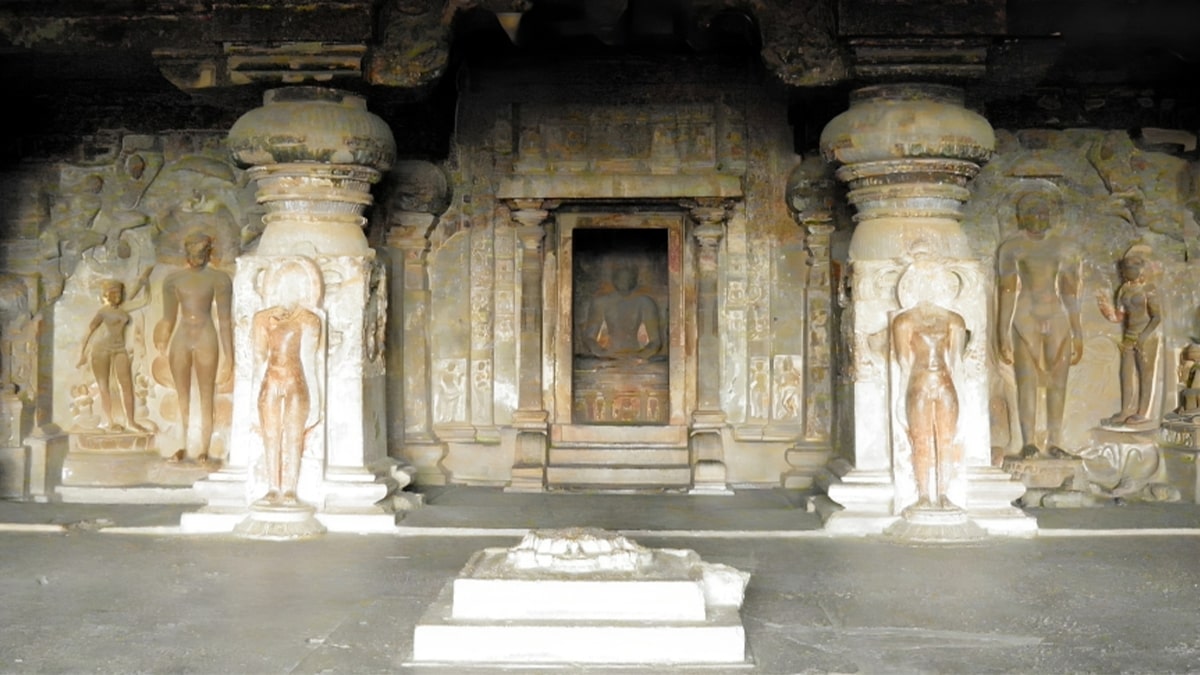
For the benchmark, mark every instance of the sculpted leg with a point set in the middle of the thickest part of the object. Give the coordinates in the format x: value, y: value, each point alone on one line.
x: 206, y: 381
x: 1026, y: 372
x: 181, y: 372
x: 101, y: 368
x: 124, y: 373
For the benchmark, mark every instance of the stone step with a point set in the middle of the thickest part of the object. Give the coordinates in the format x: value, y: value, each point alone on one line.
x: 618, y: 456
x: 610, y: 476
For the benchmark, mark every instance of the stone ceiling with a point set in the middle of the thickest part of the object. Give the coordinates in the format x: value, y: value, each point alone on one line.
x: 73, y: 66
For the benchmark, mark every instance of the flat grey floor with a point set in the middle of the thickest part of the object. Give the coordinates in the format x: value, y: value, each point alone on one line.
x: 85, y: 597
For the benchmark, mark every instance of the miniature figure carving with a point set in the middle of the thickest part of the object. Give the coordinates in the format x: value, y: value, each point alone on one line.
x: 1040, y: 332
x: 1137, y: 310
x: 14, y: 314
x: 790, y: 388
x: 451, y: 405
x: 1189, y: 379
x: 190, y: 339
x: 928, y: 341
x: 110, y: 355
x: 622, y: 324
x: 287, y: 341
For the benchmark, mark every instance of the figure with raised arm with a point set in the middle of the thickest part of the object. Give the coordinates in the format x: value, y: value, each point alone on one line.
x: 1137, y: 310
x: 109, y: 354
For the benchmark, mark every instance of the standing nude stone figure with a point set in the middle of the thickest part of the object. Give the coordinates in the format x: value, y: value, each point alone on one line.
x: 623, y: 325
x: 1137, y: 310
x: 928, y: 340
x: 1040, y: 332
x: 110, y: 355
x: 189, y: 338
x: 287, y: 341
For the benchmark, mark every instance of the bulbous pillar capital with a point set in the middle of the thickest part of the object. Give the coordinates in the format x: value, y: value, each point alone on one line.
x: 907, y: 150
x: 314, y: 153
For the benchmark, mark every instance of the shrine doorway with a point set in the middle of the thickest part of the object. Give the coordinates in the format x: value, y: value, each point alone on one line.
x: 623, y: 382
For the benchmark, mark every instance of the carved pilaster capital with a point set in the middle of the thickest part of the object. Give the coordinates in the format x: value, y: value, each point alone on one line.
x: 708, y: 211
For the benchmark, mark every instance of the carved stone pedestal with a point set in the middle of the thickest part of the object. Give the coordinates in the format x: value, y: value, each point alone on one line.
x: 935, y: 525
x: 277, y: 522
x: 584, y: 596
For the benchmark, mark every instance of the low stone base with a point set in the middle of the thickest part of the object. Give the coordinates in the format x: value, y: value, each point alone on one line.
x: 439, y: 638
x: 224, y: 521
x: 114, y: 459
x: 14, y: 472
x: 139, y: 494
x: 280, y: 522
x: 1181, y: 472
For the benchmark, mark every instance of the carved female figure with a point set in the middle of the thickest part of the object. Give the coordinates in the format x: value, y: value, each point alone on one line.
x: 927, y: 340
x: 109, y: 354
x: 1137, y: 310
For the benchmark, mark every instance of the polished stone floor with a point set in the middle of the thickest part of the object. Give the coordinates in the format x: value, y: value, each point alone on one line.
x: 115, y: 589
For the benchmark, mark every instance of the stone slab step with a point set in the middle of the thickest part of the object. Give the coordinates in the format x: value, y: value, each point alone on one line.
x: 619, y: 457
x: 618, y: 476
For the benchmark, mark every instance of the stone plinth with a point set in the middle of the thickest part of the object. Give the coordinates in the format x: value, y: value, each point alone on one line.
x: 109, y: 459
x: 585, y: 596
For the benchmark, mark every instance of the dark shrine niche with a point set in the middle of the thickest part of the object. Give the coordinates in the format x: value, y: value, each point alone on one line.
x: 621, y: 315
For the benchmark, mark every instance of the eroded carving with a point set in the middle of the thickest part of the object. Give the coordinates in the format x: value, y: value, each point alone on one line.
x: 928, y: 341
x: 288, y: 341
x: 1039, y: 327
x: 1136, y: 308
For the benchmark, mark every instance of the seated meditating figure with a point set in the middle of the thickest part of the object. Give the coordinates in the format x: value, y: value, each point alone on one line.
x: 623, y: 325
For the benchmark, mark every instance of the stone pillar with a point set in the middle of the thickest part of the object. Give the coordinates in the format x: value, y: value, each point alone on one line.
x: 810, y: 451
x: 410, y: 366
x: 531, y: 418
x: 314, y: 154
x: 907, y: 152
x: 708, y: 420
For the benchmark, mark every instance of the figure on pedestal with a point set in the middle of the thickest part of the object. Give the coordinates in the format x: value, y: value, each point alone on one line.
x: 622, y: 325
x: 1137, y: 310
x: 190, y: 339
x: 287, y: 340
x: 110, y: 354
x: 1040, y: 331
x: 928, y: 341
